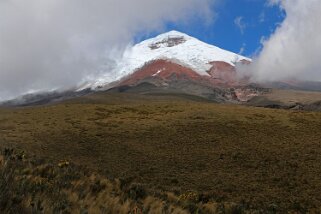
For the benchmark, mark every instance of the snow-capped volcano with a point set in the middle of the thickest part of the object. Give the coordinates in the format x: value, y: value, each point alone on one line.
x: 177, y: 48
x: 172, y: 63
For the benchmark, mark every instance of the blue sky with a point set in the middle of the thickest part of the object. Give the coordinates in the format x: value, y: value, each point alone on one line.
x: 239, y: 25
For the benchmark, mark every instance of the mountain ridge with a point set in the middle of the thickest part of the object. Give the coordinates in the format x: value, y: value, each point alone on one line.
x: 174, y: 63
x: 176, y: 47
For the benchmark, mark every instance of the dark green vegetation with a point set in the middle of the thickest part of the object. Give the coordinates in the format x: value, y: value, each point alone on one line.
x: 214, y: 155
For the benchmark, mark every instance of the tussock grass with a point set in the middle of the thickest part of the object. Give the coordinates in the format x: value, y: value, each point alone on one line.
x: 32, y: 185
x: 229, y: 155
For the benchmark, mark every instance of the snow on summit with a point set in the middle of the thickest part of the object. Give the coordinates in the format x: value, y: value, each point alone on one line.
x: 177, y: 47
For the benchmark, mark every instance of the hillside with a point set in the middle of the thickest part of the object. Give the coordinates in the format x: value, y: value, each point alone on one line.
x: 255, y: 157
x: 288, y: 99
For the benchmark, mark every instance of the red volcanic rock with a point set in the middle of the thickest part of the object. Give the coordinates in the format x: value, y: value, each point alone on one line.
x: 166, y: 73
x: 223, y: 73
x: 161, y: 69
x: 245, y: 94
x: 245, y: 62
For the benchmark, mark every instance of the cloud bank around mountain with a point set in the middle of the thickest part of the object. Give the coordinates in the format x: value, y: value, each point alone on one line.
x: 48, y: 44
x: 293, y: 51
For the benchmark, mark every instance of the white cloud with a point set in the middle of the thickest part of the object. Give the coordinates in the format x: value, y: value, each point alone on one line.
x: 274, y: 2
x: 239, y: 22
x: 293, y: 50
x: 47, y: 44
x: 242, y: 49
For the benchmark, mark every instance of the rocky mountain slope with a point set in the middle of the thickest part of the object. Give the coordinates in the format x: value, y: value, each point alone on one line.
x: 177, y: 63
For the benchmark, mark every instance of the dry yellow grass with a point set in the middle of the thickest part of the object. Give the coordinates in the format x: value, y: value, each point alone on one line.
x: 293, y: 96
x: 261, y: 158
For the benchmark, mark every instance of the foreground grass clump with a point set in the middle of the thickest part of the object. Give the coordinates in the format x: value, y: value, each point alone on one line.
x: 228, y: 155
x: 31, y: 185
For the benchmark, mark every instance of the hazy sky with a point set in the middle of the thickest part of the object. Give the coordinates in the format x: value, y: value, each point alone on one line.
x: 52, y: 44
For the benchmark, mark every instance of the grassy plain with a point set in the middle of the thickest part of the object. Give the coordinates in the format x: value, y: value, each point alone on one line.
x: 260, y: 159
x: 287, y: 99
